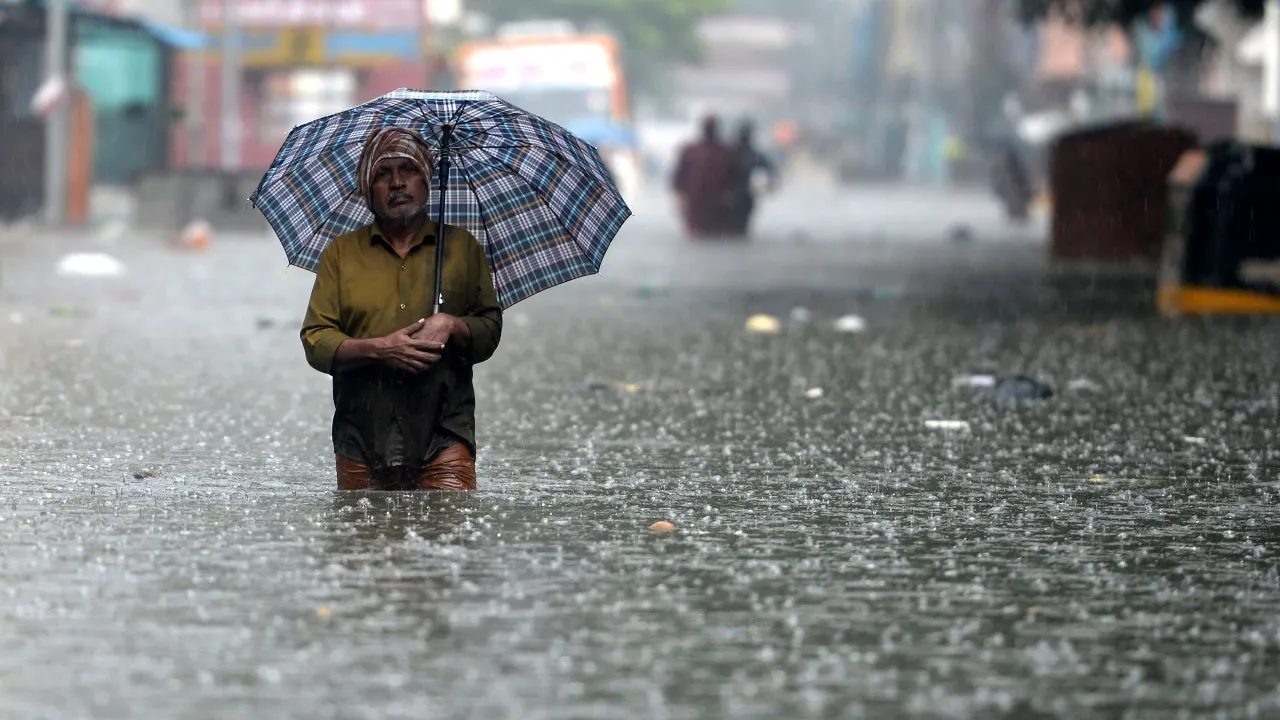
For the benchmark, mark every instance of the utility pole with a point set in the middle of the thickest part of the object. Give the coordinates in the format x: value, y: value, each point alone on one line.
x: 1272, y: 59
x: 197, y: 68
x: 230, y: 90
x: 57, y: 123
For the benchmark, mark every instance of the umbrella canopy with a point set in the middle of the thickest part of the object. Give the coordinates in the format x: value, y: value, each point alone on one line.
x: 538, y: 198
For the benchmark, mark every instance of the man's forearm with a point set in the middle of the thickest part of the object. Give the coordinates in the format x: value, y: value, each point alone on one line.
x: 357, y: 352
x: 482, y: 333
x: 460, y: 333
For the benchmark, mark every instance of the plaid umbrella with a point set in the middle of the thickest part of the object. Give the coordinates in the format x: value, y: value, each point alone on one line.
x: 539, y: 199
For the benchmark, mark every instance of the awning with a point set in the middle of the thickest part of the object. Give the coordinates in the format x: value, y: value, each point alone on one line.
x: 176, y: 37
x: 172, y: 36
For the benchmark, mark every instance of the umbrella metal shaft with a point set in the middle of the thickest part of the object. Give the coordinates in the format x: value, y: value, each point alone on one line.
x: 446, y: 135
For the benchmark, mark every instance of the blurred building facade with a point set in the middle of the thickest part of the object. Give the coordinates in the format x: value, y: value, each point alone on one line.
x: 747, y: 68
x: 300, y: 60
x: 119, y: 70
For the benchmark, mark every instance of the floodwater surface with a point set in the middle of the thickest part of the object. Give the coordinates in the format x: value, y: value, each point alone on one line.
x: 171, y: 544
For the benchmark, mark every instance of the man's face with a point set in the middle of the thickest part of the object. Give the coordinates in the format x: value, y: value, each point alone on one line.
x: 399, y: 189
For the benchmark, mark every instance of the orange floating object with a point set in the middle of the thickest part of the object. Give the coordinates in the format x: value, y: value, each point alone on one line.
x: 197, y: 235
x: 662, y: 526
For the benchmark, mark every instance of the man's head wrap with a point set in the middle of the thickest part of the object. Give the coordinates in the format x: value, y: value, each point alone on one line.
x: 392, y: 142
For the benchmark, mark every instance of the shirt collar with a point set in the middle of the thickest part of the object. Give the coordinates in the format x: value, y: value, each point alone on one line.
x: 426, y: 234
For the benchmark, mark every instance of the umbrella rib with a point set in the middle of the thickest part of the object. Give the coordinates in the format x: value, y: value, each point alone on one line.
x: 334, y: 147
x: 500, y: 120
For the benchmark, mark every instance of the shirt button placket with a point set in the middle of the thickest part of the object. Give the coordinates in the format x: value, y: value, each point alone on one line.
x: 402, y: 282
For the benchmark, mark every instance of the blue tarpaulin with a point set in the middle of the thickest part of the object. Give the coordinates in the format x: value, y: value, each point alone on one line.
x: 601, y: 132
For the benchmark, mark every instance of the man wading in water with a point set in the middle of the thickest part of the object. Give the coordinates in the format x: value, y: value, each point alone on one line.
x: 402, y: 382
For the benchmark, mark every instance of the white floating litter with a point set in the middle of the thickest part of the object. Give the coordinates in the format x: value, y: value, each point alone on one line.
x: 801, y: 315
x: 813, y: 393
x: 1083, y: 385
x: 850, y: 324
x: 90, y: 265
x: 975, y: 381
x: 763, y: 324
x: 952, y: 425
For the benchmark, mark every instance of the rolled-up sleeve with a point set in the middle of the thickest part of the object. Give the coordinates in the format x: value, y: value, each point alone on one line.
x: 484, y: 316
x: 321, y: 328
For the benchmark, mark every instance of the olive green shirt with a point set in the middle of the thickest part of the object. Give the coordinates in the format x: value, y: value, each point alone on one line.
x: 363, y: 289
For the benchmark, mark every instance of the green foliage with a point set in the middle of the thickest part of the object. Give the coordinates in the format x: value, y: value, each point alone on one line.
x: 652, y: 32
x: 1120, y: 12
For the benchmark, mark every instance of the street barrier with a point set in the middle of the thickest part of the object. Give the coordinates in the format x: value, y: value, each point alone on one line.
x: 1109, y: 187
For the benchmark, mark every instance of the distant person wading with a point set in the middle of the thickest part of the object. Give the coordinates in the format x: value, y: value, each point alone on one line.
x: 704, y: 183
x: 750, y: 162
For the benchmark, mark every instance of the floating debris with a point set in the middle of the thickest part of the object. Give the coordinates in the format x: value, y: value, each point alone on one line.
x: 960, y: 234
x: 67, y: 311
x: 974, y: 381
x: 952, y: 425
x: 197, y: 235
x: 763, y: 325
x: 323, y: 612
x: 850, y: 324
x: 1103, y: 480
x: 651, y: 288
x: 1021, y: 387
x: 801, y: 315
x: 1083, y: 385
x: 597, y: 386
x: 90, y: 265
x: 813, y: 393
x: 886, y: 292
x: 662, y: 526
x: 144, y: 474
x: 1192, y: 440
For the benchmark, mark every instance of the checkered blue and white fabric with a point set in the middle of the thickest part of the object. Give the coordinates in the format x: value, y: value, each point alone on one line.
x: 538, y: 198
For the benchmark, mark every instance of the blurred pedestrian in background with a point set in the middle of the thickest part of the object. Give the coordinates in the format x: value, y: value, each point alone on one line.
x: 704, y: 183
x: 752, y: 163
